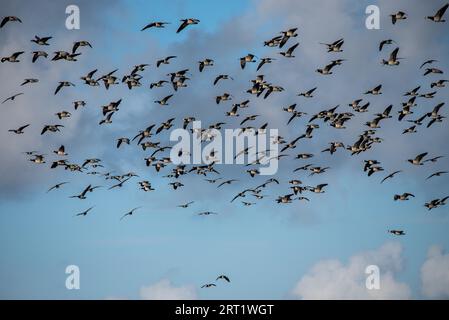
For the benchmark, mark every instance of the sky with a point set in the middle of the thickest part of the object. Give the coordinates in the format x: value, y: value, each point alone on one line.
x: 303, y: 250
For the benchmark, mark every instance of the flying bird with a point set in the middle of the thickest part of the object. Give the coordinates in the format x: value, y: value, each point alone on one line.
x: 223, y: 277
x: 84, y: 213
x: 7, y: 19
x: 187, y: 22
x: 20, y: 129
x: 438, y: 17
x: 391, y: 175
x: 130, y: 213
x: 56, y: 186
x: 155, y: 25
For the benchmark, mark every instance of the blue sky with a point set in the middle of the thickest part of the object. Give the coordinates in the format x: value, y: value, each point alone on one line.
x: 265, y: 249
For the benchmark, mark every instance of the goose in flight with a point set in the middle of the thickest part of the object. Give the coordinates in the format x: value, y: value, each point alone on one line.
x: 253, y: 172
x: 13, y: 97
x: 164, y: 101
x: 51, y: 128
x: 327, y: 69
x: 78, y: 44
x: 248, y: 58
x: 373, y: 169
x: 108, y: 79
x: 177, y: 74
x: 129, y: 213
x: 334, y: 46
x: 91, y: 162
x: 81, y: 103
x: 84, y: 213
x: 434, y: 113
x: 285, y: 198
x: 428, y: 95
x: 146, y: 186
x: 393, y: 60
x: 63, y: 84
x: 418, y: 159
x: 165, y: 125
x: 400, y: 15
x: 120, y: 141
x: 212, y: 180
x: 222, y: 77
x: 187, y: 22
x: 405, y: 111
x: 432, y: 71
x: 403, y: 196
x: 37, y: 54
x: 411, y: 129
x: 185, y: 205
x: 419, y: 121
x: 249, y: 118
x: 158, y: 84
x: 120, y: 184
x: 82, y: 195
x: 264, y: 61
x: 208, y: 285
x: 165, y: 60
x: 303, y: 156
x: 439, y: 83
x: 224, y: 97
x: 175, y: 185
x: 223, y: 277
x: 19, y: 130
x: 430, y: 61
x: 290, y: 109
x: 307, y: 94
x: 291, y: 144
x: 391, y: 175
x: 317, y: 170
x: 397, y: 232
x: 333, y: 147
x: 205, y: 63
x: 144, y: 134
x: 438, y: 17
x: 434, y: 159
x: 384, y: 42
x: 206, y: 213
x: 287, y: 35
x: 64, y: 55
x: 413, y: 92
x: 56, y: 186
x: 61, y: 151
x: 29, y: 80
x: 436, y: 174
x: 375, y: 90
x: 41, y: 41
x: 88, y: 79
x: 5, y: 20
x: 13, y: 58
x: 435, y: 203
x: 38, y: 159
x: 273, y: 42
x: 289, y: 52
x: 157, y: 24
x: 438, y: 118
x: 318, y: 188
x: 227, y: 182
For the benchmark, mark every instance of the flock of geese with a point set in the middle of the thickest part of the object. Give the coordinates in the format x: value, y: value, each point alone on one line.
x: 261, y: 88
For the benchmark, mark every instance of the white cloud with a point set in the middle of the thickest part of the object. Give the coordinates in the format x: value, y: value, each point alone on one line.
x: 332, y: 279
x: 164, y: 290
x: 435, y: 274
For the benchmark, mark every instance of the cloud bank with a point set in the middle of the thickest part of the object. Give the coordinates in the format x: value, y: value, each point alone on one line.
x: 333, y: 279
x: 165, y: 290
